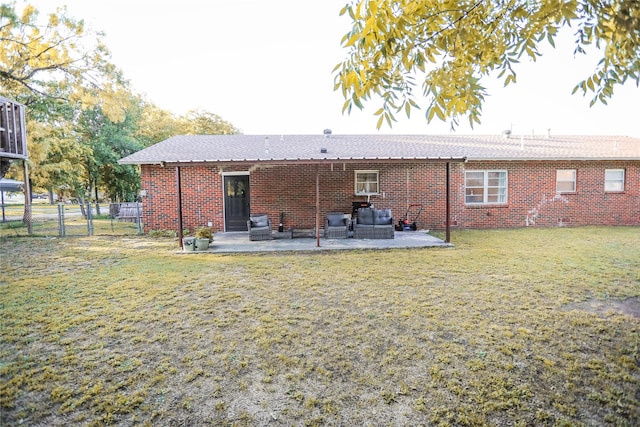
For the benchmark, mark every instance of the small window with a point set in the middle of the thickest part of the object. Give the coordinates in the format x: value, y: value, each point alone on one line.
x: 485, y: 187
x: 366, y: 182
x: 566, y: 181
x: 614, y: 180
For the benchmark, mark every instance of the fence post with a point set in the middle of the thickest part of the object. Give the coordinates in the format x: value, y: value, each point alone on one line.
x: 89, y: 219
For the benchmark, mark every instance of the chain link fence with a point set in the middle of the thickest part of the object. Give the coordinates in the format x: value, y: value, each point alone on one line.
x: 71, y: 219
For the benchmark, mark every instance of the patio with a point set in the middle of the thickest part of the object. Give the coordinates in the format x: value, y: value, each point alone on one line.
x: 234, y: 242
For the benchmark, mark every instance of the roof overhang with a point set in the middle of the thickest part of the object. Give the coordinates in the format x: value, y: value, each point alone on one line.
x: 552, y: 159
x: 285, y: 162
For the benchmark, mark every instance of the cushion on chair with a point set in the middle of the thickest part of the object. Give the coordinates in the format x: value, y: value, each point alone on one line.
x: 365, y: 216
x: 383, y: 217
x: 336, y: 220
x: 259, y: 221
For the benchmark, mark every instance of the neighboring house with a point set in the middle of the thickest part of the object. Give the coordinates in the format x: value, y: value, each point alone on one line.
x: 493, y: 181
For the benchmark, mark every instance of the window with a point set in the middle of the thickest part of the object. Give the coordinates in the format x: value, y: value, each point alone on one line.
x: 565, y: 181
x: 614, y: 180
x: 366, y: 182
x: 485, y: 187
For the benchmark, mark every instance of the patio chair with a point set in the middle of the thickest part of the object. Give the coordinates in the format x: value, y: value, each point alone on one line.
x: 336, y: 226
x: 374, y: 224
x: 259, y: 226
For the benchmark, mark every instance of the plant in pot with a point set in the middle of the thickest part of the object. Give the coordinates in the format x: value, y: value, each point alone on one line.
x: 188, y: 244
x: 204, y: 236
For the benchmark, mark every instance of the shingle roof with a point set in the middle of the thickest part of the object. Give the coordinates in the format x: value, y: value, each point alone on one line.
x: 276, y: 148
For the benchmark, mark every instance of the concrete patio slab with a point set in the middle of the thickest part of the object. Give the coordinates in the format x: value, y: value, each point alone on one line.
x: 234, y: 242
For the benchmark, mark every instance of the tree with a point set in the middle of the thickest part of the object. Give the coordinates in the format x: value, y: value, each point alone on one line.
x: 57, y: 58
x: 156, y: 124
x: 105, y: 143
x: 55, y: 154
x: 199, y: 122
x: 56, y: 67
x: 449, y: 46
x: 81, y: 115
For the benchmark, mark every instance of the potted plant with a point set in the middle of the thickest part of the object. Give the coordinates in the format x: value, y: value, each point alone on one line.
x: 204, y: 236
x: 188, y: 244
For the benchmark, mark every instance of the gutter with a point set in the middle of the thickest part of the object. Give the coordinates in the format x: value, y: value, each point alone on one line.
x: 285, y: 162
x: 551, y: 159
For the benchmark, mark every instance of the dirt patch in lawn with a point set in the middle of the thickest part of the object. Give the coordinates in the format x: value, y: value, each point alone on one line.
x: 628, y: 306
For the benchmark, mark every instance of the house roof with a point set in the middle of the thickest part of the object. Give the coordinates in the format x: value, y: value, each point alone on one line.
x: 313, y: 148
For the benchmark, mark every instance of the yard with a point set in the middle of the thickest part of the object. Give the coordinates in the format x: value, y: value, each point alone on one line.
x: 510, y: 327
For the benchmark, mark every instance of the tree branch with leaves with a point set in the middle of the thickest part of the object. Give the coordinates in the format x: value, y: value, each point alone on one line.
x: 443, y: 49
x: 58, y: 58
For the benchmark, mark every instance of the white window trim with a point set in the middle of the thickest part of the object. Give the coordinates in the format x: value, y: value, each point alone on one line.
x: 485, y: 188
x: 575, y: 181
x: 238, y: 173
x: 605, y: 180
x: 355, y: 183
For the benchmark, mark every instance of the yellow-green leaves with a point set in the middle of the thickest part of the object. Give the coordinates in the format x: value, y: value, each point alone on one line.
x: 451, y: 45
x: 28, y: 14
x: 58, y: 58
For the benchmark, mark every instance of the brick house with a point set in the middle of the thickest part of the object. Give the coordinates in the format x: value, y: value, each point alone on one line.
x: 465, y: 181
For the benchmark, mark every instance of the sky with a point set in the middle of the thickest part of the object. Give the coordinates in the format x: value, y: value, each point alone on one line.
x: 266, y: 67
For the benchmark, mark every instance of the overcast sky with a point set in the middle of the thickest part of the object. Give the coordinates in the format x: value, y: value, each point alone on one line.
x: 265, y: 66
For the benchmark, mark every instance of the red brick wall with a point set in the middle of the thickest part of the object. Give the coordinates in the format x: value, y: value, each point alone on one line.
x: 292, y: 190
x: 201, y: 197
x: 532, y: 198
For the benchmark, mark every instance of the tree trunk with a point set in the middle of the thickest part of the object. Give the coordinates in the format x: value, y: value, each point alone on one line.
x: 95, y: 188
x: 83, y: 209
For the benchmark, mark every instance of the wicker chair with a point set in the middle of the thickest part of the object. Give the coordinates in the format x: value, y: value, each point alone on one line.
x: 259, y: 226
x: 374, y: 224
x: 336, y: 226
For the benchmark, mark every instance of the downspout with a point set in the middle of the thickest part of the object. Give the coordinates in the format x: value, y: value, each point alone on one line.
x: 179, y: 192
x: 448, y: 208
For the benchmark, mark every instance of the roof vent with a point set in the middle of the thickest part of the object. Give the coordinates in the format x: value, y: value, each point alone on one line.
x: 506, y: 133
x: 266, y: 145
x: 327, y: 133
x: 323, y: 150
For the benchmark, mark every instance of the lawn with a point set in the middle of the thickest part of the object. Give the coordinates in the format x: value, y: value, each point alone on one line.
x: 510, y: 327
x: 46, y: 221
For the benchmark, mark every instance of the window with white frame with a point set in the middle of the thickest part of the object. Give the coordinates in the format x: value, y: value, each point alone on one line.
x: 485, y: 187
x: 565, y: 181
x: 366, y: 182
x: 614, y: 180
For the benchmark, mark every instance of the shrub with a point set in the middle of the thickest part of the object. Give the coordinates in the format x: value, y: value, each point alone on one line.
x: 162, y: 233
x: 204, y: 233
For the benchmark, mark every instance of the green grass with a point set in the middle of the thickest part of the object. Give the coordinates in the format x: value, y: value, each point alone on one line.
x: 500, y: 330
x: 45, y: 222
x: 74, y: 226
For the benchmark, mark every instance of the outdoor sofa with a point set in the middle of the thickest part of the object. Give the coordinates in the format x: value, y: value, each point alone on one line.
x: 373, y: 224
